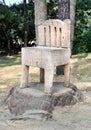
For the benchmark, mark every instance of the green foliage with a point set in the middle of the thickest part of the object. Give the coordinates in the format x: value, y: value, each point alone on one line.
x: 83, y: 43
x: 12, y: 25
x: 19, y: 11
x: 82, y: 27
x: 52, y: 8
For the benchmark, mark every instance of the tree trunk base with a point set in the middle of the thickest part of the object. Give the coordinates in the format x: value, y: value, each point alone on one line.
x: 32, y: 102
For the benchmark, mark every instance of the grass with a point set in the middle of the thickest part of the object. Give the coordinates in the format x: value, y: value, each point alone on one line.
x: 10, y: 71
x: 81, y: 69
x: 9, y: 61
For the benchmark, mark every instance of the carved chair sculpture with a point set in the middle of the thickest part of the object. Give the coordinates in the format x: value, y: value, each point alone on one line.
x: 53, y: 50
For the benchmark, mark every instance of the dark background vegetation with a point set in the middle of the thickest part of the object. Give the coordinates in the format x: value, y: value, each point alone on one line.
x: 12, y: 26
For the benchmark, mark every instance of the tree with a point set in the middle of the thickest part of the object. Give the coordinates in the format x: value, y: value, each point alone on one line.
x: 6, y: 26
x: 72, y: 18
x: 40, y: 14
x: 82, y: 27
x: 66, y: 10
x: 12, y: 22
x: 25, y: 23
x: 2, y: 2
x: 12, y: 26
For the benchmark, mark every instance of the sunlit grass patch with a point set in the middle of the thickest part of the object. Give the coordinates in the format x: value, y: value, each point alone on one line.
x: 81, y: 69
x: 9, y: 60
x: 10, y: 81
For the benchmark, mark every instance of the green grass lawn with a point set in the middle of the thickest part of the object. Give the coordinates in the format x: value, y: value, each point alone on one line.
x: 9, y: 61
x: 10, y: 71
x: 81, y: 69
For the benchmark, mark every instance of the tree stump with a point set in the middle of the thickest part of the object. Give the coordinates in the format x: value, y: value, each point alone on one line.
x: 27, y: 102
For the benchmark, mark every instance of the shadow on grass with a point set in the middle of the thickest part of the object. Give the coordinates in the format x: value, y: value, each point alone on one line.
x: 9, y: 60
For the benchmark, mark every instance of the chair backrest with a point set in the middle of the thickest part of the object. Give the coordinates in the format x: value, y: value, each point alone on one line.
x: 54, y: 33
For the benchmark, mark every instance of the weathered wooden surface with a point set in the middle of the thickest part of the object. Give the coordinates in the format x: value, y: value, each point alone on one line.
x: 53, y: 50
x: 24, y: 103
x: 54, y: 33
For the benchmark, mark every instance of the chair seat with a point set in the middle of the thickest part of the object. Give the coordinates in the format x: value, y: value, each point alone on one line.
x: 44, y: 57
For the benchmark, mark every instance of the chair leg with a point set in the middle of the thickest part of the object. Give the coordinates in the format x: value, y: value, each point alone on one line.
x: 25, y: 74
x: 48, y: 81
x: 67, y: 75
x: 41, y: 75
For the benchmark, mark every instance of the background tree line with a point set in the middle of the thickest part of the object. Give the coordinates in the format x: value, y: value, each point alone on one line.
x: 12, y: 25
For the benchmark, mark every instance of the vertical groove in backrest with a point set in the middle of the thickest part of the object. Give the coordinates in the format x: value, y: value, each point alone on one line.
x: 60, y: 31
x: 50, y: 36
x: 47, y: 35
x: 55, y: 36
x: 44, y: 36
x: 57, y: 41
x: 53, y: 33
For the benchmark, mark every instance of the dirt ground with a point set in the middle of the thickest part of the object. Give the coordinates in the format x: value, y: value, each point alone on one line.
x: 76, y: 117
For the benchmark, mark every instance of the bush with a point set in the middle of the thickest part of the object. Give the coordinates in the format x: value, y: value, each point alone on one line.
x: 82, y: 43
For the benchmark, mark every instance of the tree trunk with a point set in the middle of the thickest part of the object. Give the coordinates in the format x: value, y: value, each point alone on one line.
x: 25, y: 23
x: 4, y: 2
x: 9, y: 47
x: 66, y: 10
x: 40, y: 14
x: 8, y: 41
x: 72, y: 18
